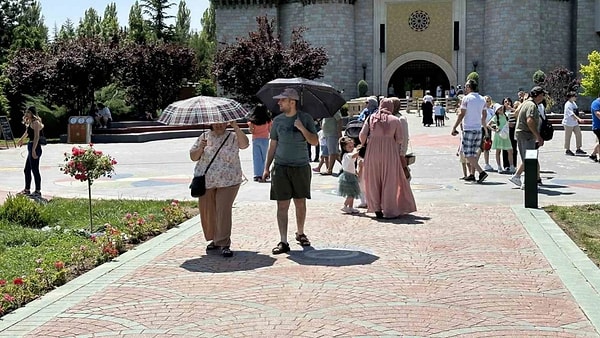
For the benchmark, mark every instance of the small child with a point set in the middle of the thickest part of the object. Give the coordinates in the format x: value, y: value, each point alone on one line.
x: 361, y: 176
x: 324, y: 159
x: 348, y: 181
x: 439, y: 113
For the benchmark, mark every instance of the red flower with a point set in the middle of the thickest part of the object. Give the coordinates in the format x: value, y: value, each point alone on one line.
x: 18, y: 281
x: 59, y: 265
x: 2, y: 282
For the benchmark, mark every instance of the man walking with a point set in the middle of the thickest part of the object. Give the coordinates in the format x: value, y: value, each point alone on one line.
x: 291, y: 174
x: 527, y: 129
x: 473, y: 113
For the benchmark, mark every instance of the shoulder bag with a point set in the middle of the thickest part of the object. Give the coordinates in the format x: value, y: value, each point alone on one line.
x: 546, y: 130
x: 198, y: 185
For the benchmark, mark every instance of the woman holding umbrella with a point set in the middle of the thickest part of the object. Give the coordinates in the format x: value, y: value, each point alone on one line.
x: 223, y: 179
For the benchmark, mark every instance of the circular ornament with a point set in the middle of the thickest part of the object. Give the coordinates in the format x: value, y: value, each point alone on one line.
x: 418, y: 21
x: 73, y: 119
x: 81, y: 120
x: 89, y: 120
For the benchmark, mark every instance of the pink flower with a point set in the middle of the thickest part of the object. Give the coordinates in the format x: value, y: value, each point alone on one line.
x: 9, y: 298
x: 39, y: 270
x: 93, y: 238
x: 18, y: 281
x: 2, y: 282
x: 128, y: 216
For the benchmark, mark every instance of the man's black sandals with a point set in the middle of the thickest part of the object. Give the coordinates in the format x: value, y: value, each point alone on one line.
x: 302, y: 239
x: 281, y: 248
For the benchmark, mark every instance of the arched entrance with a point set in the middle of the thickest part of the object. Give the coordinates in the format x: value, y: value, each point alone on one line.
x: 418, y: 75
x: 418, y: 70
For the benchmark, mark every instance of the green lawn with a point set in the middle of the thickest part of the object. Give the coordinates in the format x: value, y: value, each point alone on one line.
x: 582, y: 224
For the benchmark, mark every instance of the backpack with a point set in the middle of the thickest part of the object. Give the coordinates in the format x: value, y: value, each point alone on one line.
x: 546, y: 130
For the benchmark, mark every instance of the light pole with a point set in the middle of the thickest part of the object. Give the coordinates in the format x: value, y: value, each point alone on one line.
x: 364, y: 67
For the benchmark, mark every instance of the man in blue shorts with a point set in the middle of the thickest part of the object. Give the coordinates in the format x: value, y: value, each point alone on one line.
x: 291, y: 172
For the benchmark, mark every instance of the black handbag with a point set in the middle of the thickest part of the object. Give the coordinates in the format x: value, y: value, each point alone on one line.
x: 198, y: 185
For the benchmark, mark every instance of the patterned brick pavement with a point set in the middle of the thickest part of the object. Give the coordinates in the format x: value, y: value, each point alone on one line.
x: 464, y: 270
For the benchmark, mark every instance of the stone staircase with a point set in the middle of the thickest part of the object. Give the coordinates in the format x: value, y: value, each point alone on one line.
x: 556, y: 120
x: 144, y: 131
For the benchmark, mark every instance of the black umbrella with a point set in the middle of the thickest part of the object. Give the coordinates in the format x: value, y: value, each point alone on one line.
x: 316, y: 98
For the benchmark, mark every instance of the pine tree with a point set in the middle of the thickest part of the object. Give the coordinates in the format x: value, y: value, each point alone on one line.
x: 110, y: 22
x: 89, y: 26
x: 137, y: 26
x: 157, y: 11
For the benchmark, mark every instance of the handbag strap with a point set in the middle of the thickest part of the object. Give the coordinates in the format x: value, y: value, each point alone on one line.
x: 221, y: 146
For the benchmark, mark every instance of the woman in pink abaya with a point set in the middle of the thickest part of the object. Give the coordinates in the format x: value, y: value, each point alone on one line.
x: 388, y: 191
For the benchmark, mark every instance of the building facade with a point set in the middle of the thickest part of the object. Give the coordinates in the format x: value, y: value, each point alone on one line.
x: 402, y: 45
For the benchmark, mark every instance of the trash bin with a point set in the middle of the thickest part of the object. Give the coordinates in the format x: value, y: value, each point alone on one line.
x: 80, y: 129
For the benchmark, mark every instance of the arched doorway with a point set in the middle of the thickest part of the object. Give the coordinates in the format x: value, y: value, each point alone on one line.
x: 418, y: 74
x: 423, y: 69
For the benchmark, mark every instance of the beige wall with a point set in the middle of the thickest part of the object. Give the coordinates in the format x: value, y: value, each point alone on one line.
x: 436, y: 39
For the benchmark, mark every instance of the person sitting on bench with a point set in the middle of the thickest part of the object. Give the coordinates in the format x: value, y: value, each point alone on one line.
x: 103, y: 116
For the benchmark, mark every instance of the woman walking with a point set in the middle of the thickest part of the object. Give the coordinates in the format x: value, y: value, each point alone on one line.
x: 387, y: 189
x: 260, y: 127
x: 33, y: 132
x: 223, y: 179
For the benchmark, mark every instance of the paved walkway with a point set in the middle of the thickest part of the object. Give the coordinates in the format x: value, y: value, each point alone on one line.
x: 471, y: 262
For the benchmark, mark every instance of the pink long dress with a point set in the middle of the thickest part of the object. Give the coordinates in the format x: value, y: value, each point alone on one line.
x: 387, y: 189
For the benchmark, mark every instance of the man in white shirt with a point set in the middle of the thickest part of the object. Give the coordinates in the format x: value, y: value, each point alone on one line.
x: 472, y: 115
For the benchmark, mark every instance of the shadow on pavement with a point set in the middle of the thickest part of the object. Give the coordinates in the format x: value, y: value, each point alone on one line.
x: 331, y: 257
x: 241, y: 261
x: 553, y: 192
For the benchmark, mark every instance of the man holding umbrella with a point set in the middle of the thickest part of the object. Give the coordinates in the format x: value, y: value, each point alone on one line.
x: 291, y: 173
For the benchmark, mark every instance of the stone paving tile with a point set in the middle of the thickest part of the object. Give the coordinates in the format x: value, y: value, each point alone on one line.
x: 431, y: 274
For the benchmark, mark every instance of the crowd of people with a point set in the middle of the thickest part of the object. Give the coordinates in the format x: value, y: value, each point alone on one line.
x: 374, y: 167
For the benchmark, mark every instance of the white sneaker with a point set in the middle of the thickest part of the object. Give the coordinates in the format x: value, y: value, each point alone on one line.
x: 354, y: 211
x: 488, y: 168
x: 516, y: 180
x: 347, y: 210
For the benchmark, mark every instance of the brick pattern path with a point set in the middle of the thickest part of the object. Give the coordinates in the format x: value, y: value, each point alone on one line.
x: 446, y: 271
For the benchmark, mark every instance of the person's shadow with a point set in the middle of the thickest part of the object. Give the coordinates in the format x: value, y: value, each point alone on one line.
x: 331, y: 257
x: 215, y: 263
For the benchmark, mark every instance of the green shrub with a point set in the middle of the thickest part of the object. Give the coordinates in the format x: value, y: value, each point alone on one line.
x: 538, y: 77
x: 115, y: 99
x: 473, y: 76
x: 206, y: 87
x: 363, y: 88
x: 23, y: 211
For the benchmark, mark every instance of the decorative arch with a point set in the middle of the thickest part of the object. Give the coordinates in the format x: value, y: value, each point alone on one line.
x: 414, y: 56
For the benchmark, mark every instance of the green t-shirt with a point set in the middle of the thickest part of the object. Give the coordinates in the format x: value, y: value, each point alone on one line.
x: 330, y: 125
x: 527, y: 109
x: 291, y: 145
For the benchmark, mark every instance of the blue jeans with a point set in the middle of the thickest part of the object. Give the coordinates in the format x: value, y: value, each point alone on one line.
x: 259, y: 155
x: 32, y: 166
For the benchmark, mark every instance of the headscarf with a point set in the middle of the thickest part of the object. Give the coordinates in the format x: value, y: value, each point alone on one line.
x: 397, y: 105
x: 371, y: 104
x: 386, y: 108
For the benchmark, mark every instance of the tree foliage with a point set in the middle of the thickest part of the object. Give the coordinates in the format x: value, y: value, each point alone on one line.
x: 154, y: 73
x: 591, y: 75
x: 89, y: 26
x: 67, y: 31
x: 137, y: 26
x: 242, y: 68
x: 109, y: 25
x: 558, y: 83
x: 538, y: 77
x: 157, y: 11
x: 182, y: 24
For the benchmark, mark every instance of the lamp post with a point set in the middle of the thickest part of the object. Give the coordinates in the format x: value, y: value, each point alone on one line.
x: 364, y: 67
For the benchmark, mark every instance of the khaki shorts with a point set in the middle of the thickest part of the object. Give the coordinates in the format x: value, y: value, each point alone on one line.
x: 290, y: 182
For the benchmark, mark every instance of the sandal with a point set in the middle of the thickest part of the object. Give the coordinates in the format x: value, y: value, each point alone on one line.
x: 281, y: 248
x: 211, y: 246
x: 302, y: 239
x: 226, y: 252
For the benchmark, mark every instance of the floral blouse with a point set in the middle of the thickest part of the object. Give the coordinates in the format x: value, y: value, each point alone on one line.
x: 226, y: 169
